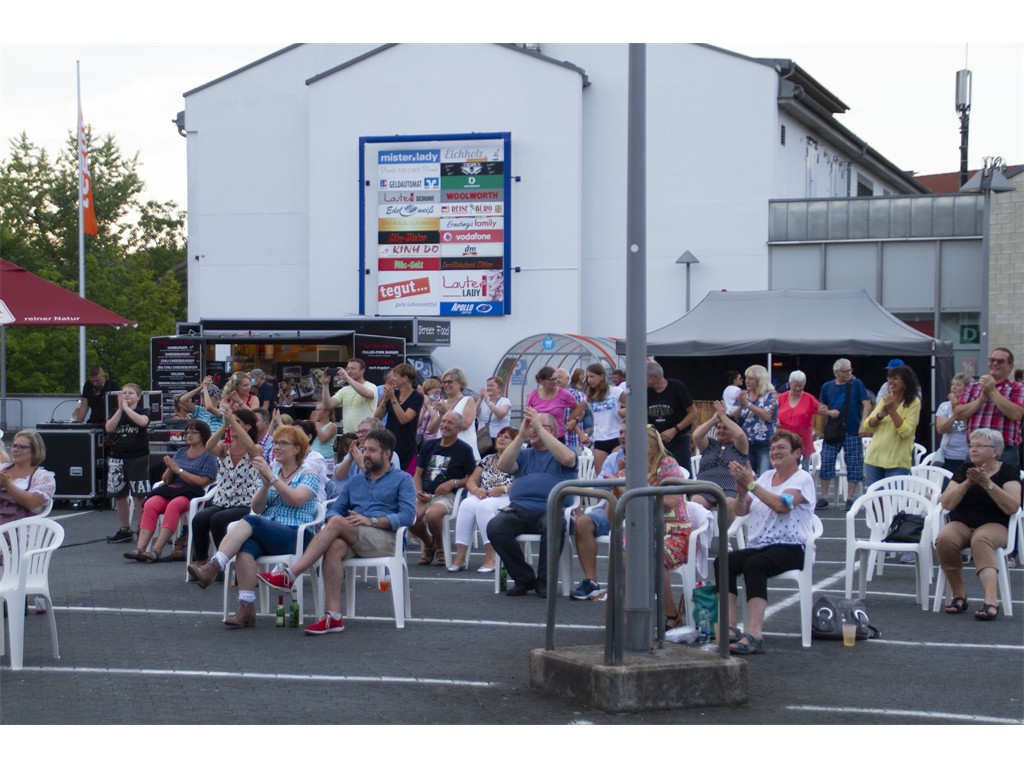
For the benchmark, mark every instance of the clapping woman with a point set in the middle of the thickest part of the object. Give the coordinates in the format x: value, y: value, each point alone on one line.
x: 286, y: 500
x: 26, y: 487
x: 892, y: 424
x: 758, y: 411
x: 188, y: 472
x: 982, y: 495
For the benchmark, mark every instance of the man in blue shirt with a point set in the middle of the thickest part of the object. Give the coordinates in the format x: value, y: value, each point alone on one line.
x: 363, y: 520
x: 538, y: 468
x: 847, y: 400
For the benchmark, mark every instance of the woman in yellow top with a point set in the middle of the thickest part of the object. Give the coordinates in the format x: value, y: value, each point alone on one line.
x: 892, y: 426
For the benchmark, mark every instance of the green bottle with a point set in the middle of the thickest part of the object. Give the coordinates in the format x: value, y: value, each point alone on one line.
x: 293, y: 612
x: 280, y: 611
x: 503, y: 580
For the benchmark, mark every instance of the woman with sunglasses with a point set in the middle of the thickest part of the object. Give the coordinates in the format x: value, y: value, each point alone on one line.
x: 26, y: 487
x: 286, y: 500
x: 453, y: 382
x: 982, y: 495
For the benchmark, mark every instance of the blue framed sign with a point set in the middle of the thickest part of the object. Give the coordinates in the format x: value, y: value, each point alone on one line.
x: 435, y: 230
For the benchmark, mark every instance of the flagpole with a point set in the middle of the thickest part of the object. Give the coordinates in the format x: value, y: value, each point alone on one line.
x: 81, y: 225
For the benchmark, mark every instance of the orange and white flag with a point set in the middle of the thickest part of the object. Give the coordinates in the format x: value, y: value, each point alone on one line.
x: 85, y: 180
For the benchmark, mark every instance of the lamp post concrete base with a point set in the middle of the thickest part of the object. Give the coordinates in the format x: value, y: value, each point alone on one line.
x: 673, y: 677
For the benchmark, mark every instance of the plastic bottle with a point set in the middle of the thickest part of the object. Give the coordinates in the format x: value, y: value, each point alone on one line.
x: 704, y: 626
x: 503, y: 580
x: 293, y: 612
x: 280, y: 611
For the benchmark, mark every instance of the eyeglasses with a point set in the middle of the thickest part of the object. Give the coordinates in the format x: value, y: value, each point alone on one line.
x: 20, y: 447
x: 193, y: 430
x: 283, y: 443
x: 362, y: 432
x: 447, y: 381
x: 999, y: 360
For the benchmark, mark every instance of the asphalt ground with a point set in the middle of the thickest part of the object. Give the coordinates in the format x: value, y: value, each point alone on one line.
x: 141, y: 646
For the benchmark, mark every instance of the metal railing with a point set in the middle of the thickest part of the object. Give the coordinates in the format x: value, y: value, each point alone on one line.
x: 615, y: 611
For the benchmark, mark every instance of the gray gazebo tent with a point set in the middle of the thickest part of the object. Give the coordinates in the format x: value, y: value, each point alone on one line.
x: 794, y: 322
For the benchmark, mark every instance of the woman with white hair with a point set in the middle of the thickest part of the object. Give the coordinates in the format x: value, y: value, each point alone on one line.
x: 797, y: 410
x: 982, y: 495
x: 759, y: 408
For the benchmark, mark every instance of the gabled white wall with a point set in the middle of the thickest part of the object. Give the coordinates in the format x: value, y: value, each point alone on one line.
x: 248, y: 194
x: 454, y: 89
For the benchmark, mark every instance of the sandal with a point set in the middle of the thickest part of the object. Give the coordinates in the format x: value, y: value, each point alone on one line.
x: 439, y: 559
x: 958, y: 605
x: 133, y: 554
x: 734, y: 635
x: 988, y: 612
x: 753, y: 645
x: 148, y: 557
x: 426, y: 555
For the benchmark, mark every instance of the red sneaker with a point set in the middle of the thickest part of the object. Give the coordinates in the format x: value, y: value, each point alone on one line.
x: 277, y: 580
x: 325, y: 626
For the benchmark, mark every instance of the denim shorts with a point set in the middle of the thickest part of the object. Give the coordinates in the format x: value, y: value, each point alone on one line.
x: 269, y: 538
x: 600, y: 517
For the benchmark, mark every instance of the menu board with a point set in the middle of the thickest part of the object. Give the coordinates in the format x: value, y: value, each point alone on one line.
x: 176, y: 365
x: 380, y: 353
x: 437, y: 223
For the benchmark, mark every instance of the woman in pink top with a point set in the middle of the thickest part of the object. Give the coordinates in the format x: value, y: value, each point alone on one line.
x: 548, y: 397
x: 797, y: 410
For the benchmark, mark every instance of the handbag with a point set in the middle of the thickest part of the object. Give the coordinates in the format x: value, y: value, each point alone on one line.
x: 828, y: 614
x: 835, y: 429
x: 905, y: 529
x: 176, y: 490
x: 484, y: 443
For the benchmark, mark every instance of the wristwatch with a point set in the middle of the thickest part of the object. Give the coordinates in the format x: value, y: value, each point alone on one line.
x: 751, y: 485
x: 990, y: 486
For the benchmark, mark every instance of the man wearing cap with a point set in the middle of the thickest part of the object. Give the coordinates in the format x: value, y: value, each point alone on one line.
x: 996, y: 401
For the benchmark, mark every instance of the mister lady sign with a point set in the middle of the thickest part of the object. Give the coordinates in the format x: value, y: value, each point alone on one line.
x: 436, y: 220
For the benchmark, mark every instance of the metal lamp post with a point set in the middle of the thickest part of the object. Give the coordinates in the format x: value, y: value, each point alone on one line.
x: 687, y: 258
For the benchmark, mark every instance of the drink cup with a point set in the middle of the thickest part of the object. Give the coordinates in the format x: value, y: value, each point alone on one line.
x: 849, y: 634
x: 384, y: 584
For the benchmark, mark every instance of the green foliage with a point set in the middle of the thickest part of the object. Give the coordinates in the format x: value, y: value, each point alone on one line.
x: 134, y: 267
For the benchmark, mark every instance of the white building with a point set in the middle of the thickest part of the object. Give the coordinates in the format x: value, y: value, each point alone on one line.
x: 276, y: 227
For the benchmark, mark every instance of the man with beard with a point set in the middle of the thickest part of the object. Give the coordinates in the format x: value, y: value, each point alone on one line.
x: 362, y: 521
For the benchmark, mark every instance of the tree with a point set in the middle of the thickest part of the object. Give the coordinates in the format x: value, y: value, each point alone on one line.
x: 133, y: 267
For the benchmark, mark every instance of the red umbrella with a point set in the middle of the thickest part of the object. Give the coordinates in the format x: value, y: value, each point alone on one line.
x: 27, y: 299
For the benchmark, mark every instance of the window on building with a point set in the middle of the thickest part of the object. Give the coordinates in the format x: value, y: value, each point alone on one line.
x: 782, y: 135
x: 865, y: 187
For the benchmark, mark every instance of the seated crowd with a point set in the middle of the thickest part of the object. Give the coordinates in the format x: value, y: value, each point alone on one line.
x: 408, y: 456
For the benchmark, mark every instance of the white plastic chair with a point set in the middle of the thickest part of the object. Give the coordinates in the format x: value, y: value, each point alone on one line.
x: 1015, y: 535
x: 917, y: 457
x: 932, y: 459
x: 194, y: 507
x: 932, y: 472
x: 915, y: 483
x: 701, y: 519
x: 27, y: 546
x: 398, y: 572
x: 878, y: 507
x: 803, y: 577
x: 47, y: 509
x: 267, y: 562
x: 842, y: 486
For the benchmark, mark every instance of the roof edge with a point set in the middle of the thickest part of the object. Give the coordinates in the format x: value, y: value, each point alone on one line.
x: 238, y: 71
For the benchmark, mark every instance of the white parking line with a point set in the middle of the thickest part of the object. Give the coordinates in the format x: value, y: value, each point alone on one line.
x: 908, y: 713
x: 387, y: 619
x: 277, y: 676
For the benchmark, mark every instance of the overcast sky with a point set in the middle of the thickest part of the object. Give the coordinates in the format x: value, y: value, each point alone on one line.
x: 900, y: 96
